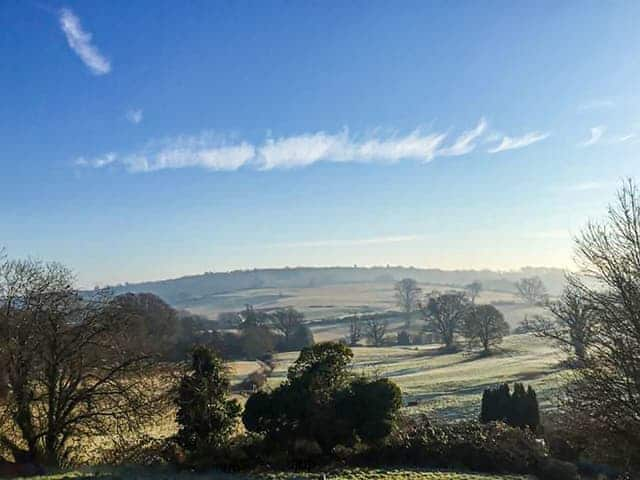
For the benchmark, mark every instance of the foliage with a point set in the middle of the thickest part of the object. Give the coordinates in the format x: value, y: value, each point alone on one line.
x: 206, y: 417
x: 485, y: 325
x: 404, y: 338
x: 320, y: 402
x: 301, y: 337
x: 445, y: 315
x: 71, y: 369
x: 493, y: 447
x: 518, y: 409
x: 286, y: 321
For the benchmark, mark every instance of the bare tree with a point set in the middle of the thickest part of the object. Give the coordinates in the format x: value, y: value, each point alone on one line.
x: 355, y: 330
x: 286, y: 321
x: 72, y: 370
x: 445, y: 315
x: 485, y: 325
x: 573, y: 321
x: 607, y: 389
x: 532, y: 290
x: 376, y: 329
x: 473, y: 290
x: 407, y: 294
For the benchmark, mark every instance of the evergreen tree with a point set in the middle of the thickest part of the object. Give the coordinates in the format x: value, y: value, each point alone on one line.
x: 205, y: 415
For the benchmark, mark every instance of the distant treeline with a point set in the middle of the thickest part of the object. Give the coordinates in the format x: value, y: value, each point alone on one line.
x: 185, y: 289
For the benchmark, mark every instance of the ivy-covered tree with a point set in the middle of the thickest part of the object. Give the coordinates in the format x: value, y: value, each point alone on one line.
x: 206, y: 415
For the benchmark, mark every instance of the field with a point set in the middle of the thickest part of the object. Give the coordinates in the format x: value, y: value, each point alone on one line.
x: 352, y: 474
x: 334, y: 301
x: 451, y: 385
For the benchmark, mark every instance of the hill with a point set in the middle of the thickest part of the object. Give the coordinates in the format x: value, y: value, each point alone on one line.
x: 190, y: 291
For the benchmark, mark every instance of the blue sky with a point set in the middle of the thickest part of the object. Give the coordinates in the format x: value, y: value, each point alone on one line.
x: 145, y: 140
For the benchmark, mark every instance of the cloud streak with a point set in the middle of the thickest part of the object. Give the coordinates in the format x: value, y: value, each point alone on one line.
x: 596, y: 134
x: 465, y: 143
x: 211, y: 152
x: 80, y: 42
x: 512, y: 143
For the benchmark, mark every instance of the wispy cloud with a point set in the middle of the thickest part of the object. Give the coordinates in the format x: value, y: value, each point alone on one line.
x: 80, y: 42
x: 597, y: 104
x: 302, y: 150
x: 465, y: 143
x: 213, y: 152
x: 596, y: 134
x: 512, y: 143
x: 350, y: 243
x: 134, y: 116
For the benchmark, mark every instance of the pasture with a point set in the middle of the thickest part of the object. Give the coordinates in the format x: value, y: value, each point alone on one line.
x: 451, y: 385
x: 337, y: 300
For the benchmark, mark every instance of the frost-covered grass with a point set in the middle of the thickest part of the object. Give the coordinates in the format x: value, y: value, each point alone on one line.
x: 350, y: 474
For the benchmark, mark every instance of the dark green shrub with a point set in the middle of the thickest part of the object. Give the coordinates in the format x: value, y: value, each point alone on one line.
x: 518, y: 409
x: 206, y: 417
x: 552, y: 469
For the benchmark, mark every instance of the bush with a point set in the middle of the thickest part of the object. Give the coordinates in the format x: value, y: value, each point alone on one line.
x: 493, y: 447
x: 518, y: 409
x: 205, y: 416
x: 321, y: 403
x: 552, y: 469
x: 404, y: 338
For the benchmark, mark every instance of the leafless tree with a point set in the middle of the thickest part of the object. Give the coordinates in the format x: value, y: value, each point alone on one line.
x: 407, y: 294
x: 573, y: 321
x: 445, y: 314
x: 376, y: 329
x: 286, y: 321
x: 532, y: 290
x: 473, y: 289
x: 72, y: 370
x: 607, y: 388
x: 485, y: 325
x: 355, y: 330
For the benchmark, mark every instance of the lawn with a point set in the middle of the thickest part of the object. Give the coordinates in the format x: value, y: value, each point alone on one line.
x: 351, y: 474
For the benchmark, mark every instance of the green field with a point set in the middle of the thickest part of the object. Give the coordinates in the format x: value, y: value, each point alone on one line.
x: 351, y: 474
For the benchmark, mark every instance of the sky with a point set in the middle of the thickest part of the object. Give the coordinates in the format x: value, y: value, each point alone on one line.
x: 148, y: 140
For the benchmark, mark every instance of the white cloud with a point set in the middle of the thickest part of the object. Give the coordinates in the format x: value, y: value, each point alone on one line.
x: 595, y: 136
x: 465, y: 143
x: 134, y: 116
x: 215, y: 153
x: 306, y: 149
x: 511, y: 143
x: 350, y: 243
x: 80, y: 42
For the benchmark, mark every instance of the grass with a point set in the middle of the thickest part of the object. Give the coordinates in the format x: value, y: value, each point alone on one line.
x: 332, y: 301
x: 451, y: 385
x: 350, y: 474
